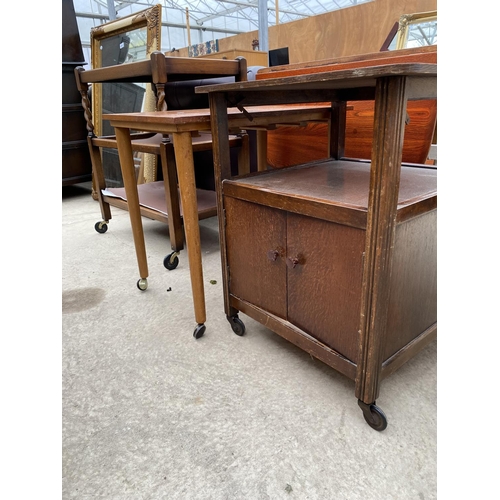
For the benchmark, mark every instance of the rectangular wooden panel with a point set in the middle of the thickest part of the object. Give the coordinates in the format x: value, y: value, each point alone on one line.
x: 324, y: 287
x: 413, y: 283
x: 256, y: 274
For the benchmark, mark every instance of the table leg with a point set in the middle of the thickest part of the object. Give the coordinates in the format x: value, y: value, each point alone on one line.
x: 261, y: 150
x: 130, y: 184
x: 187, y: 186
x: 390, y: 112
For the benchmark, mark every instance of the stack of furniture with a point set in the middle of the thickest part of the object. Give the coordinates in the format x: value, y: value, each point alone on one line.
x: 157, y: 200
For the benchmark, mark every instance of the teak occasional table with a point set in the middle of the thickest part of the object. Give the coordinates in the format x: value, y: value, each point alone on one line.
x: 180, y: 125
x: 336, y: 256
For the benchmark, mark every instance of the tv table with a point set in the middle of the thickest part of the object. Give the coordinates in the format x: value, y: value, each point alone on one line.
x: 341, y: 257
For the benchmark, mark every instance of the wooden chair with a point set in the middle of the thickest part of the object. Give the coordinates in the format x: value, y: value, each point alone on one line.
x: 167, y: 75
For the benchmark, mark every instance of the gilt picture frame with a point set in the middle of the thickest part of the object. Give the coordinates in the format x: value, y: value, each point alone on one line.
x: 127, y: 39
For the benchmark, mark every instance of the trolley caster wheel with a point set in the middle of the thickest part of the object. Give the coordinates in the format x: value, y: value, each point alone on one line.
x: 171, y: 261
x: 199, y: 331
x: 101, y: 227
x: 237, y: 325
x: 374, y: 416
x: 142, y: 284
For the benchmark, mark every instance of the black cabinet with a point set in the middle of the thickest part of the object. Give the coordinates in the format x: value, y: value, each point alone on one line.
x: 76, y: 165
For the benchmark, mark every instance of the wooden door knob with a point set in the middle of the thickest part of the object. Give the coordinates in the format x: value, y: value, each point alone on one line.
x: 272, y: 255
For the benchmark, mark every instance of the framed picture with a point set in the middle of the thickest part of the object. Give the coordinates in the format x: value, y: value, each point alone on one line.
x: 128, y: 39
x: 421, y: 26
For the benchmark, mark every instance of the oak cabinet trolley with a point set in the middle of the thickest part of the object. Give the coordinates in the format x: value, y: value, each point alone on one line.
x: 337, y: 256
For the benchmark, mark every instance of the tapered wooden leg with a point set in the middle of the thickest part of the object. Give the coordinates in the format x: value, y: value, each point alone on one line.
x: 244, y: 155
x: 175, y: 230
x: 261, y: 150
x: 130, y: 184
x: 187, y: 186
x: 222, y: 170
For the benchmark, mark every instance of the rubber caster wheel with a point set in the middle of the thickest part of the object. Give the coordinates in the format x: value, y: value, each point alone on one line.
x: 199, y: 331
x: 237, y: 325
x: 374, y: 416
x: 142, y: 284
x: 171, y: 261
x: 101, y: 227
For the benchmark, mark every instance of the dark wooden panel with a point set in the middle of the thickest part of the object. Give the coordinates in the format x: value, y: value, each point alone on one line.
x: 413, y: 283
x: 75, y: 157
x: 324, y: 288
x: 70, y: 93
x: 74, y: 124
x: 76, y: 165
x: 253, y: 231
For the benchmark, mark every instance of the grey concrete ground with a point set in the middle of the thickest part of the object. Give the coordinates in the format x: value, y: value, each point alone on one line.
x: 148, y: 412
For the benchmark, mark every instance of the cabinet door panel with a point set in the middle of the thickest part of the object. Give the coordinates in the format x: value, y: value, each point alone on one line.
x: 324, y: 287
x: 256, y: 274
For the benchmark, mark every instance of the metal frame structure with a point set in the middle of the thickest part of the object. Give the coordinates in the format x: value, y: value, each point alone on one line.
x: 204, y: 20
x: 187, y: 22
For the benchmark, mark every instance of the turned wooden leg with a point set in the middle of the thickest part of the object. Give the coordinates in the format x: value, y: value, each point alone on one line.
x: 98, y: 179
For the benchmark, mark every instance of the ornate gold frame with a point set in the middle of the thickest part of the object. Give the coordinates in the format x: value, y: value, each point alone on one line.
x: 407, y: 20
x: 150, y: 19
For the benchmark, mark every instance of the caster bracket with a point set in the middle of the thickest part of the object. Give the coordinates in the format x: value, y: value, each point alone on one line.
x: 171, y: 261
x: 199, y: 331
x: 237, y: 325
x: 374, y: 416
x: 102, y: 226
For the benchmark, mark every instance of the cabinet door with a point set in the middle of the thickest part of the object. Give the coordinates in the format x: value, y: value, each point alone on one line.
x: 324, y: 285
x: 255, y: 242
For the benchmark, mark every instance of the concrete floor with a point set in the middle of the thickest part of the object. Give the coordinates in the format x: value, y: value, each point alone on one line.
x: 151, y: 413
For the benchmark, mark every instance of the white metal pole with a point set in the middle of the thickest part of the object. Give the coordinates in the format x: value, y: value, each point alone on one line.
x: 111, y: 10
x: 188, y: 27
x: 263, y: 26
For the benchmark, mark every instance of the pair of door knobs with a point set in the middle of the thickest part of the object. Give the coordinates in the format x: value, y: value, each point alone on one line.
x: 291, y: 262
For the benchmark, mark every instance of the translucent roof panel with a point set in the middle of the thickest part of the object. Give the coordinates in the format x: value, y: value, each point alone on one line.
x: 208, y: 19
x: 216, y: 19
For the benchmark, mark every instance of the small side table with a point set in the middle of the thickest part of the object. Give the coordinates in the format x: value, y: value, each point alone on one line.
x: 180, y: 125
